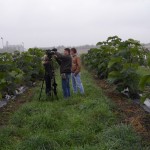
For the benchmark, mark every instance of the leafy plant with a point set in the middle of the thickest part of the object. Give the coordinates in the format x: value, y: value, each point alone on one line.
x: 145, y: 82
x: 19, y: 68
x: 118, y: 61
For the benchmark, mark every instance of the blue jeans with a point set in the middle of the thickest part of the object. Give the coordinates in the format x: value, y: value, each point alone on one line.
x: 76, y: 83
x: 66, y: 85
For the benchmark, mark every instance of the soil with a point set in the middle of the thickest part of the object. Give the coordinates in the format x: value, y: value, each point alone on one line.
x: 129, y: 112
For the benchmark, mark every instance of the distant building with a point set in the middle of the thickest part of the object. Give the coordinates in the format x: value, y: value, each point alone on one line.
x: 11, y: 48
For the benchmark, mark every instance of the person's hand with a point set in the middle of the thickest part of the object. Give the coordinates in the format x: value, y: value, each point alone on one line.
x: 75, y: 74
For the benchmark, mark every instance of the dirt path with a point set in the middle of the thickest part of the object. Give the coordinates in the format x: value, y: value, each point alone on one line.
x: 130, y: 112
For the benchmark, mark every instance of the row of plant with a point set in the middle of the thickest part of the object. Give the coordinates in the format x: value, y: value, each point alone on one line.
x: 123, y: 63
x: 17, y: 69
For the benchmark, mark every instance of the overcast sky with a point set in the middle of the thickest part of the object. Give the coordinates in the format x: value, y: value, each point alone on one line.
x: 44, y: 23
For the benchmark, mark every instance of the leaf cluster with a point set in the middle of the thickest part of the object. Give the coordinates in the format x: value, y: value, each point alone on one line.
x: 18, y: 69
x: 119, y: 62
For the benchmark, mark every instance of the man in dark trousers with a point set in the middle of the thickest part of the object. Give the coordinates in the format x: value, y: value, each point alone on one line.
x: 48, y: 74
x: 65, y: 63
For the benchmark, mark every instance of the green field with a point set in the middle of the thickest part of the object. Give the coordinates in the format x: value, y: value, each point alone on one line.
x: 79, y: 123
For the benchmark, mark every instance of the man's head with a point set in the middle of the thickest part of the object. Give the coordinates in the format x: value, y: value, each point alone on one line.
x: 73, y: 51
x: 66, y: 51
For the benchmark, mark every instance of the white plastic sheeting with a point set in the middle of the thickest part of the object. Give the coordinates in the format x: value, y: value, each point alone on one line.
x: 7, y: 98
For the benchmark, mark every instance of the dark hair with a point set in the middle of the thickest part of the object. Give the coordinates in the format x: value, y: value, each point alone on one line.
x: 74, y: 50
x: 68, y: 50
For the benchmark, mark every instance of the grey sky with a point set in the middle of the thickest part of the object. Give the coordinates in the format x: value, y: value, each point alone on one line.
x: 73, y: 22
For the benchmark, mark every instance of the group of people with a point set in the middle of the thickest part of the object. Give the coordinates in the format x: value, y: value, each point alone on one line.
x: 70, y: 67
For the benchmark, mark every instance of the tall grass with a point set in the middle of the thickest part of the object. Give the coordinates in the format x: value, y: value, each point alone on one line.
x: 78, y: 123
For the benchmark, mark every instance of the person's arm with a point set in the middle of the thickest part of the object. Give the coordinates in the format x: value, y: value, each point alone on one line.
x: 60, y: 56
x: 78, y: 65
x: 58, y: 60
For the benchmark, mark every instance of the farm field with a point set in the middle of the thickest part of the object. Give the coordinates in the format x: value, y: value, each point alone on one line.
x: 89, y: 122
x: 116, y: 78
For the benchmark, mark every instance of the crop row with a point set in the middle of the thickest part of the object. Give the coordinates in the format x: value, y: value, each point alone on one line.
x: 123, y: 63
x: 17, y: 69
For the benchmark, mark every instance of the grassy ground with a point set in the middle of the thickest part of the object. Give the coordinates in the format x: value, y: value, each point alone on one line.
x: 79, y: 123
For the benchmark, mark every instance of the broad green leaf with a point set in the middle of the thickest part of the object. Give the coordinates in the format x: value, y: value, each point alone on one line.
x: 13, y: 74
x: 114, y: 75
x: 2, y: 81
x: 130, y: 65
x: 99, y: 43
x: 114, y: 60
x: 144, y: 80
